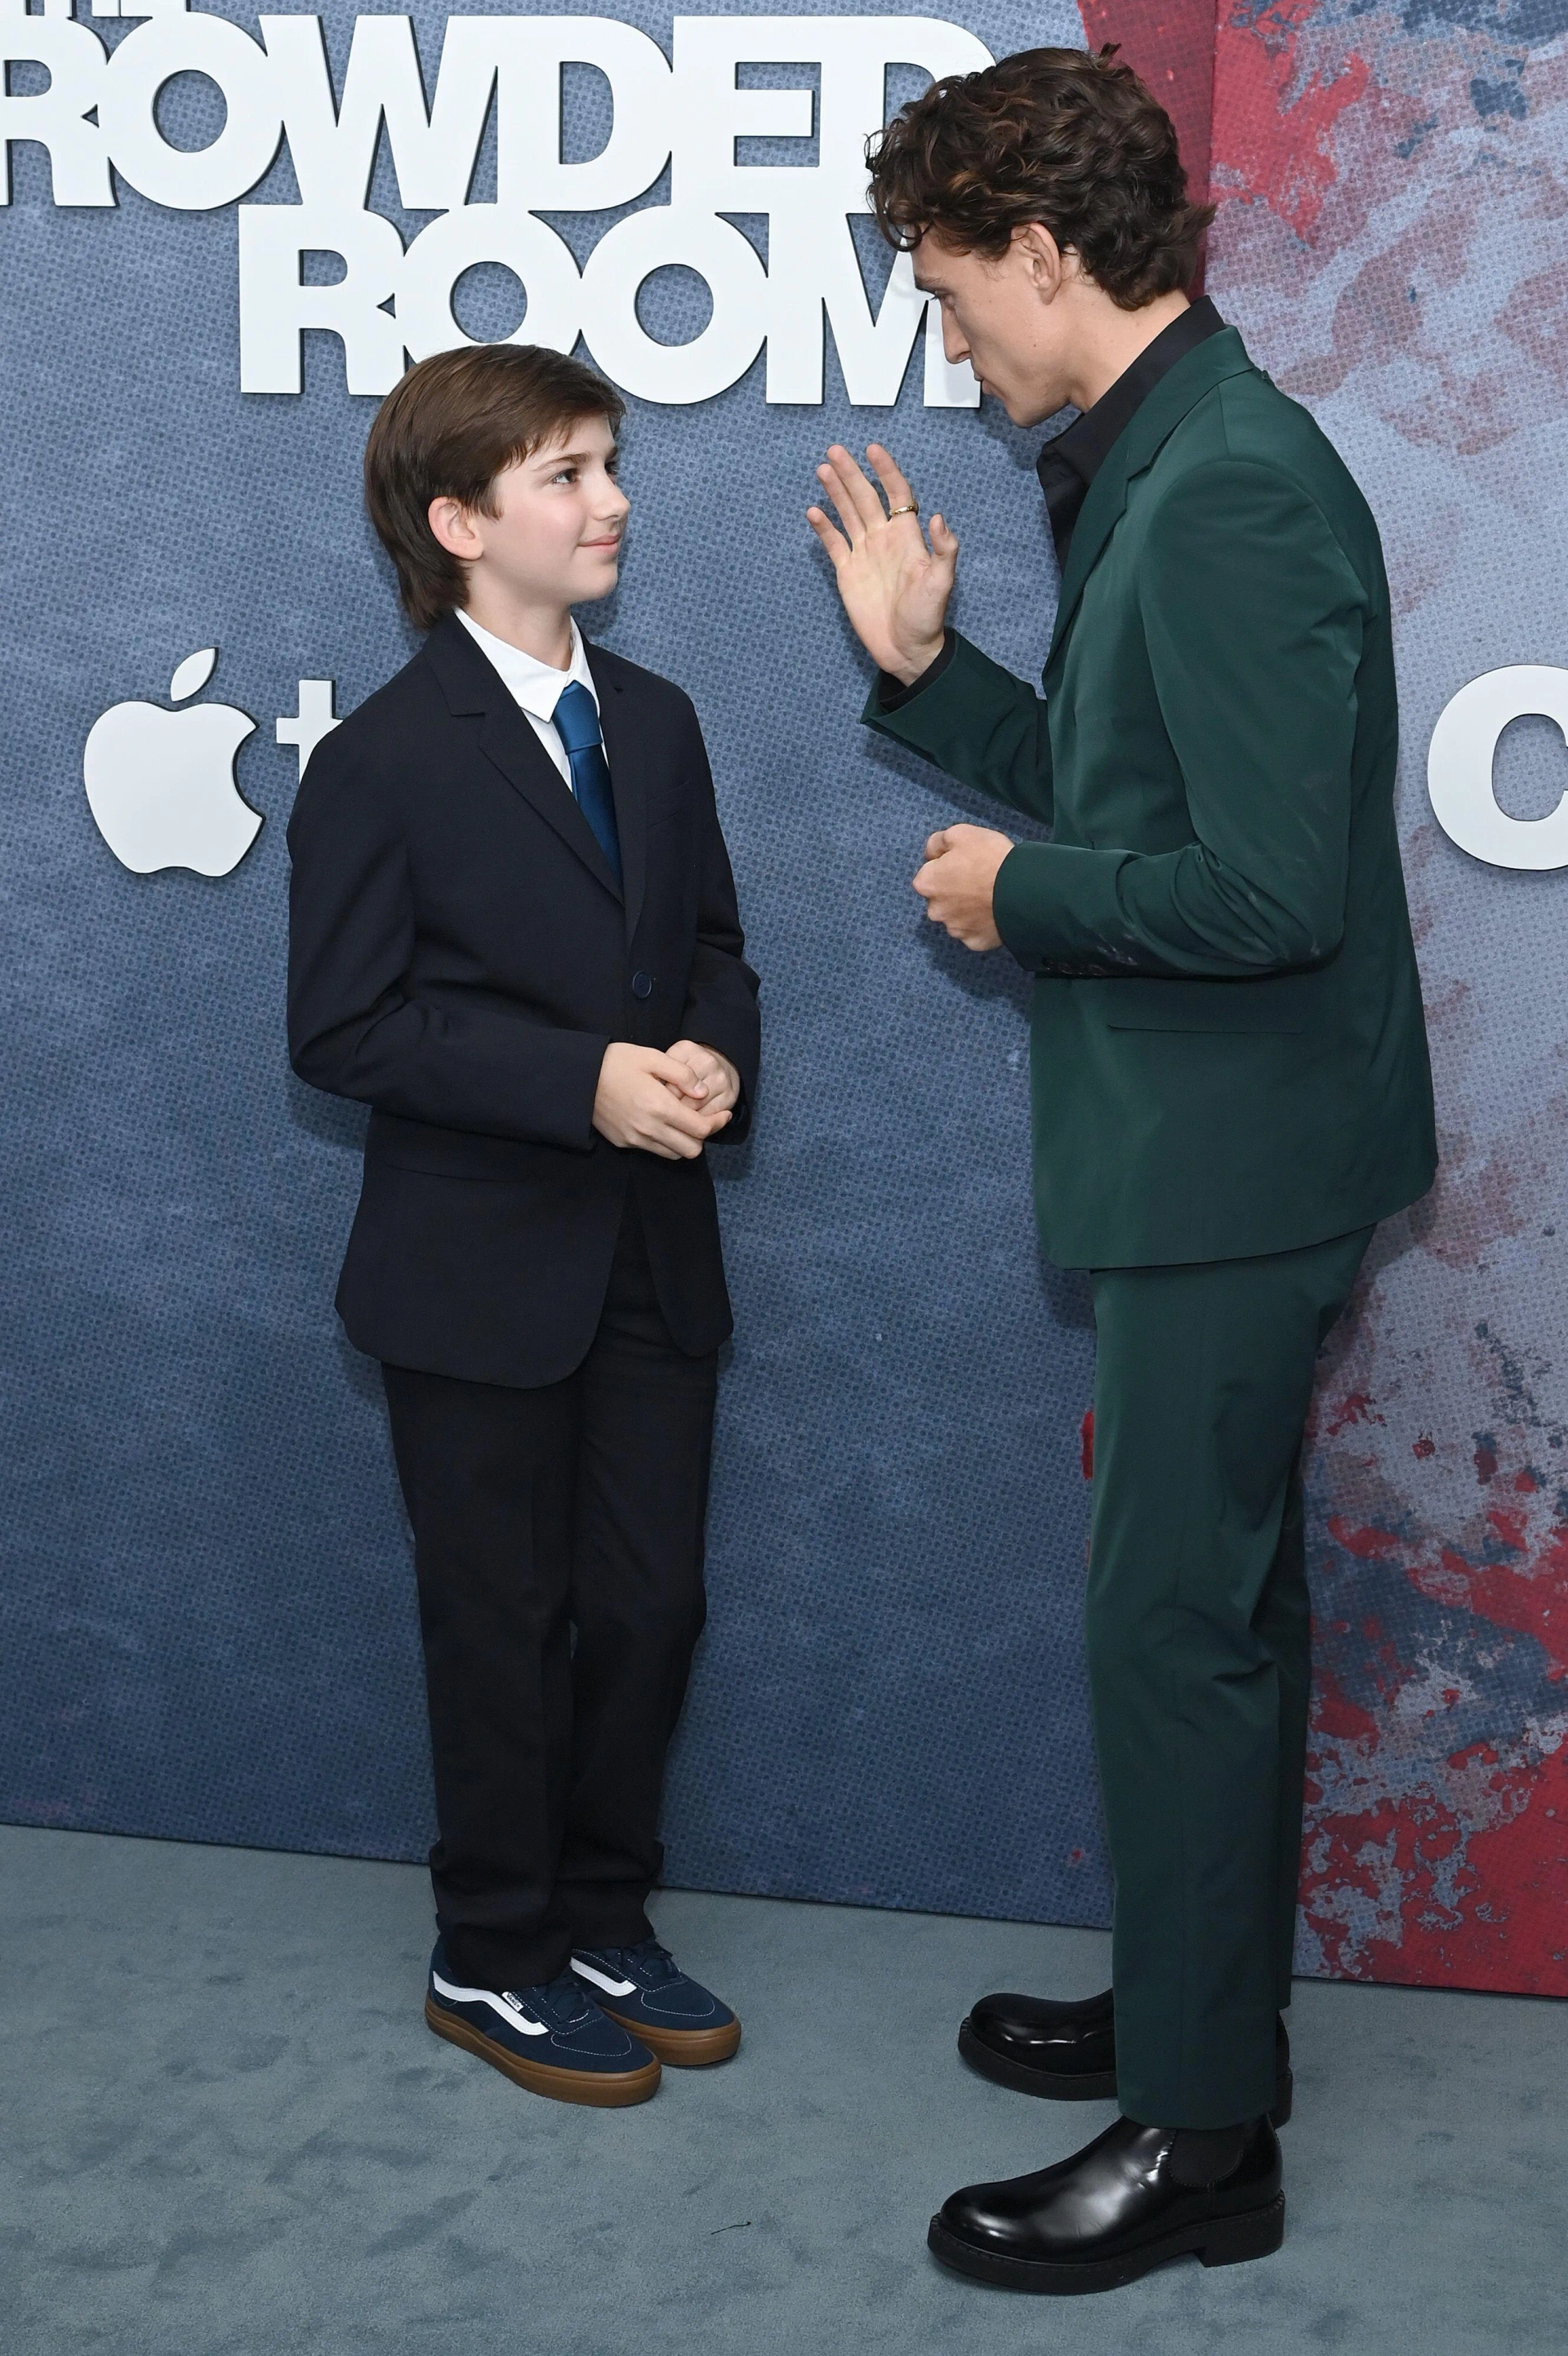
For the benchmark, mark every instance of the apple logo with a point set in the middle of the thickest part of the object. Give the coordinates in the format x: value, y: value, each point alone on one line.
x: 160, y: 784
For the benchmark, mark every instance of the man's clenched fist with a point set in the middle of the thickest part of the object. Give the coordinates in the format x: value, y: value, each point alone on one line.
x: 958, y: 879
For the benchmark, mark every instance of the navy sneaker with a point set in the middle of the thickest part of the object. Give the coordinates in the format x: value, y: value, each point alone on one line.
x: 554, y: 2040
x: 645, y: 1989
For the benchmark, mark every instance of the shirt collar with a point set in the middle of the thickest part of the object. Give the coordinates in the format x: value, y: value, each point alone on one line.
x: 1087, y: 442
x: 535, y: 685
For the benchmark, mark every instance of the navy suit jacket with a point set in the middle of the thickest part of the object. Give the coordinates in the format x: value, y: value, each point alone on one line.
x: 460, y: 955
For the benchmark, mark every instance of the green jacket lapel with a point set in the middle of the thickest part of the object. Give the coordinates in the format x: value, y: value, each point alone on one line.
x: 1181, y: 390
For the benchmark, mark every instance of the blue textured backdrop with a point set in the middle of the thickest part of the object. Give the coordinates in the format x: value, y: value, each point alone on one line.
x: 211, y: 1630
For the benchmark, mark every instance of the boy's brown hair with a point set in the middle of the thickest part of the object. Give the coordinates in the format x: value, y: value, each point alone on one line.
x: 1051, y: 136
x: 445, y: 431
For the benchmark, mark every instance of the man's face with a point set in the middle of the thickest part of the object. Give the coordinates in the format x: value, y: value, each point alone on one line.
x: 1004, y: 318
x: 555, y: 538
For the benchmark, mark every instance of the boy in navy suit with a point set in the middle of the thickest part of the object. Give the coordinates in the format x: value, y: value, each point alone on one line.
x: 513, y: 935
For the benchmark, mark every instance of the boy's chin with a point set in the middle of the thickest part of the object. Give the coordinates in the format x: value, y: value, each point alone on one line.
x: 597, y: 581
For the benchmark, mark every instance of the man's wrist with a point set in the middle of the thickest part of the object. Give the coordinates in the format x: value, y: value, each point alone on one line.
x: 893, y: 690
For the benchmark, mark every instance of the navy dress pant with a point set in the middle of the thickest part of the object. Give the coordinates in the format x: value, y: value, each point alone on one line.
x: 558, y: 1545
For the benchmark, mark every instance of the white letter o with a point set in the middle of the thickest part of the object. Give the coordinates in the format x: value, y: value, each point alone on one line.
x: 631, y: 252
x: 1459, y: 768
x: 193, y: 180
x: 470, y: 234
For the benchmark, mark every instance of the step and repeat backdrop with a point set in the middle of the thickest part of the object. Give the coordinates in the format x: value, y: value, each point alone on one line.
x: 221, y: 234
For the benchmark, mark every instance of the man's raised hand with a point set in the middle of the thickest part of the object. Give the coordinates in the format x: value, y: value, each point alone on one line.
x: 895, y: 588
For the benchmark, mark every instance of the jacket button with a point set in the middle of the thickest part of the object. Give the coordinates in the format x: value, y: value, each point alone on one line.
x: 642, y: 985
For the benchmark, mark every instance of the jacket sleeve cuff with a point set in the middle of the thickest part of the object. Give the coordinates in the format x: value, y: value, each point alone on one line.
x: 891, y: 694
x: 1055, y: 905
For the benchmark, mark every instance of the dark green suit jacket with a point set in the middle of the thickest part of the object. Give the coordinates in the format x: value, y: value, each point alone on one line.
x: 1229, y: 1051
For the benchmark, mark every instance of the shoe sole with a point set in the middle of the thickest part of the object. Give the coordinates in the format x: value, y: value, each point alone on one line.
x: 599, y: 2091
x: 1222, y: 2242
x: 683, y: 2049
x: 1092, y: 2086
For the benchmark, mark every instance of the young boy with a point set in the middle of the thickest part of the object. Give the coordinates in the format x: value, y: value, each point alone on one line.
x: 514, y: 936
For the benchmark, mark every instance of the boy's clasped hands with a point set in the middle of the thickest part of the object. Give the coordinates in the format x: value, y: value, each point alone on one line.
x: 664, y: 1102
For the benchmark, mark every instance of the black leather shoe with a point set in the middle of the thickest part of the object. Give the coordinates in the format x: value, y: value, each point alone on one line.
x: 1115, y: 2211
x: 1067, y: 2051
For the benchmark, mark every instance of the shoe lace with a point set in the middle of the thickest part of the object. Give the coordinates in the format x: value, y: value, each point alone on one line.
x: 653, y: 1964
x: 565, y: 2002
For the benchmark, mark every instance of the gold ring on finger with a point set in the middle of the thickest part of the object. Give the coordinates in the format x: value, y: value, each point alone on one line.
x: 910, y: 507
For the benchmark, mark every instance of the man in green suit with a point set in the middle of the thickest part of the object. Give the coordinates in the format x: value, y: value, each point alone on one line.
x: 1230, y: 1070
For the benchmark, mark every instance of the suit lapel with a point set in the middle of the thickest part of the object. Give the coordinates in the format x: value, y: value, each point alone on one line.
x: 472, y: 686
x: 1137, y: 447
x: 625, y: 750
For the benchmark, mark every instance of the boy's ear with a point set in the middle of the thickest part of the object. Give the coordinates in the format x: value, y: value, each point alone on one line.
x: 451, y: 528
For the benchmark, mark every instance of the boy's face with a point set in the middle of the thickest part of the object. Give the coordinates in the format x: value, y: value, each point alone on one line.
x: 554, y: 538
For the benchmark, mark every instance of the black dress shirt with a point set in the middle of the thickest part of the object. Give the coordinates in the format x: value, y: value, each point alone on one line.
x: 1071, y: 459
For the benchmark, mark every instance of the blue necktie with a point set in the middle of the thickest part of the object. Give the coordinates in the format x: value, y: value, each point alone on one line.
x: 576, y: 719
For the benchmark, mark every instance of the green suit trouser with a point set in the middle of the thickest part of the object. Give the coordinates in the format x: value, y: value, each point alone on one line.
x: 1199, y: 1637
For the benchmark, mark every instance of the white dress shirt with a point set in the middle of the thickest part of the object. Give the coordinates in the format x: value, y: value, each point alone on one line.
x: 535, y: 686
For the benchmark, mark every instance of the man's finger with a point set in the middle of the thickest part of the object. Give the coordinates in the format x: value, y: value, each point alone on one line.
x: 944, y: 540
x: 843, y: 507
x: 938, y: 843
x: 868, y: 508
x: 889, y: 475
x: 833, y: 541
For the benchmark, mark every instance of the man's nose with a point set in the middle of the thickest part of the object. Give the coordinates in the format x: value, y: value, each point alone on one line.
x: 954, y: 345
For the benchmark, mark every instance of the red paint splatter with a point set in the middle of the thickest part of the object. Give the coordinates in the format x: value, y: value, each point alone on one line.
x: 1424, y: 1447
x: 1334, y: 1713
x: 1265, y: 143
x: 1369, y: 1544
x: 1356, y: 1408
x: 1531, y: 1597
x: 1086, y: 1443
x: 1486, y: 1461
x: 1502, y: 1926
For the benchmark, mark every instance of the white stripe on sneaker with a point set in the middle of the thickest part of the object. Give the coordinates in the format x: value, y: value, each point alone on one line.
x: 513, y: 2014
x: 602, y: 1980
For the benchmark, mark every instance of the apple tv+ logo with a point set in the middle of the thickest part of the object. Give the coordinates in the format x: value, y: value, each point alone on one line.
x: 161, y: 785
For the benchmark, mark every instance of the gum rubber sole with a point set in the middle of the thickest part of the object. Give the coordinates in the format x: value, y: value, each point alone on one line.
x: 683, y: 2049
x: 1222, y: 2242
x: 598, y: 2090
x: 1092, y: 2086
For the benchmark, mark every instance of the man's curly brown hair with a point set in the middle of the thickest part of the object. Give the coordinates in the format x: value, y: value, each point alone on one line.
x: 1051, y: 136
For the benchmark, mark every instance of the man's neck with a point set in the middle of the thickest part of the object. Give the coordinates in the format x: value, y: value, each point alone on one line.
x: 543, y: 631
x: 1109, y: 340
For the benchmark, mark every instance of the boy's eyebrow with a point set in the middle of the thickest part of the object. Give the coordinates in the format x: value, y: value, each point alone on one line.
x: 576, y: 458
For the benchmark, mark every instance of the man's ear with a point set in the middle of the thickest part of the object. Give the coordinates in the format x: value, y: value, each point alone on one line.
x: 452, y: 527
x: 1045, y: 259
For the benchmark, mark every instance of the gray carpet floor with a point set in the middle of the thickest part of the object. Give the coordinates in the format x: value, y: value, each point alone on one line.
x: 226, y: 2128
